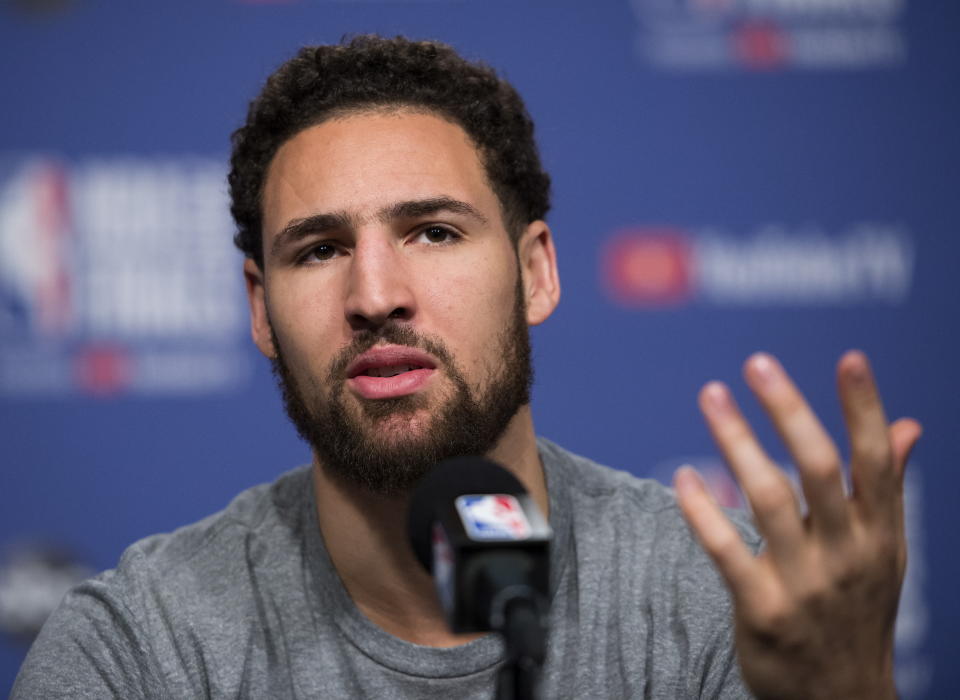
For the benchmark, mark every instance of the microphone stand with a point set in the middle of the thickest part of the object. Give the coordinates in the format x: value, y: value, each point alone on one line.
x: 522, y: 631
x: 517, y: 611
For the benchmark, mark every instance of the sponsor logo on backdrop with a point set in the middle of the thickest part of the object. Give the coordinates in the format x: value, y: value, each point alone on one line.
x: 33, y: 581
x: 118, y: 275
x: 770, y: 34
x: 914, y: 668
x: 773, y: 266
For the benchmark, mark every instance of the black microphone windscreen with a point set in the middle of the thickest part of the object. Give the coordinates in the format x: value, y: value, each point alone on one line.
x: 453, y: 477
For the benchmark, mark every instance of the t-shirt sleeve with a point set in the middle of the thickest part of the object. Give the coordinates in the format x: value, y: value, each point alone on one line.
x: 90, y: 647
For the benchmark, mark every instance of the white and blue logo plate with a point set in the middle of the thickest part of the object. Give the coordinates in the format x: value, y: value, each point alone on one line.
x: 493, y: 517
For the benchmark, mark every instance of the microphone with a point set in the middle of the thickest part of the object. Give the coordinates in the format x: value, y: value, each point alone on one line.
x: 478, y: 532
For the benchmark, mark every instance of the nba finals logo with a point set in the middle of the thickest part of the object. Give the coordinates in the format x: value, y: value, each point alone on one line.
x: 117, y: 276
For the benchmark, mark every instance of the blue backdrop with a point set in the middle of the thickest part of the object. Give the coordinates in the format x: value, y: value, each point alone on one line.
x: 730, y: 175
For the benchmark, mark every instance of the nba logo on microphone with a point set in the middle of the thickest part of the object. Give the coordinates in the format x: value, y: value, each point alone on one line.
x: 493, y: 517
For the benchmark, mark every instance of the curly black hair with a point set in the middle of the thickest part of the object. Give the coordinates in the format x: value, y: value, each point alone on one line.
x: 322, y: 82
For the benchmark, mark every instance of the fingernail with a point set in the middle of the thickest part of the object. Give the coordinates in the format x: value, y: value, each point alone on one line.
x: 764, y: 367
x: 717, y: 397
x: 686, y: 479
x: 858, y: 374
x: 857, y: 367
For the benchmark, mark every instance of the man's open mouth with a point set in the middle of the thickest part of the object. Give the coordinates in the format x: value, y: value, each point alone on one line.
x: 388, y: 361
x: 390, y: 371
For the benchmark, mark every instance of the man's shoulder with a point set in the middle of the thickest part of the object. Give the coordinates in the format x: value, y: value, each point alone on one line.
x: 176, y: 605
x: 262, y: 511
x: 208, y: 565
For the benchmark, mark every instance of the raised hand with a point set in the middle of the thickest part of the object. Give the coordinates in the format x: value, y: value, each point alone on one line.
x: 815, y: 610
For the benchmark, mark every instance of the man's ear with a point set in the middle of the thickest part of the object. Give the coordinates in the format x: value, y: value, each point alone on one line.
x: 256, y: 297
x: 538, y: 268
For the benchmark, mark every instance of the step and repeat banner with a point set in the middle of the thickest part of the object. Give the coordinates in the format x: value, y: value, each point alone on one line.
x: 729, y: 176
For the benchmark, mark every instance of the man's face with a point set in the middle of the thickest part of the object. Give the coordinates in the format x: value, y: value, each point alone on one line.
x: 391, y: 300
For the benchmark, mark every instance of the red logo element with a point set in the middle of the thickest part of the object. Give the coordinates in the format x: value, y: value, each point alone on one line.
x: 760, y: 45
x: 54, y: 228
x: 103, y: 370
x: 647, y: 267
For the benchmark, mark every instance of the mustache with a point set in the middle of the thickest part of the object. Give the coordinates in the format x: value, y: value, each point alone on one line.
x: 387, y: 334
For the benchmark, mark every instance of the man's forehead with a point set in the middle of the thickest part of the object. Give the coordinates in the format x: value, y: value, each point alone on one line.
x: 362, y: 163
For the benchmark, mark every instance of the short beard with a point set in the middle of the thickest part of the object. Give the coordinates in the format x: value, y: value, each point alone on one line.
x: 353, y: 450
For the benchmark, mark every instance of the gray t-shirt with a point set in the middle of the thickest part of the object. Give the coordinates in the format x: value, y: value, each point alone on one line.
x: 246, y: 603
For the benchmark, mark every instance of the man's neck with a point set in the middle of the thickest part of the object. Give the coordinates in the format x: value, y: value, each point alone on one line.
x: 366, y: 536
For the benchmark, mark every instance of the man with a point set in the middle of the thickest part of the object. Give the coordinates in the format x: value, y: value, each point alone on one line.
x: 391, y: 204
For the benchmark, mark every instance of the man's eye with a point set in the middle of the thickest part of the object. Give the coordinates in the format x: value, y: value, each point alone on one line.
x: 324, y: 251
x: 438, y: 234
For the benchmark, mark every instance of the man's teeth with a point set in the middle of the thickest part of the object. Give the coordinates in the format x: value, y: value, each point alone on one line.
x: 389, y: 371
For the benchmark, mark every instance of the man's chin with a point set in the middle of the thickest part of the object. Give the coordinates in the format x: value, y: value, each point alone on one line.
x: 378, y: 409
x: 387, y: 456
x: 398, y: 428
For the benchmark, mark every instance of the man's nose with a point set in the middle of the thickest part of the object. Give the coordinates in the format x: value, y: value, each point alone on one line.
x: 379, y: 288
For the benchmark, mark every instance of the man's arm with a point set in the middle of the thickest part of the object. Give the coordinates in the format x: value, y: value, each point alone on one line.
x: 815, y: 611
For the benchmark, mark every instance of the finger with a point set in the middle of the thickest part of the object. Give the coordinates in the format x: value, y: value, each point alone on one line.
x: 874, y: 475
x: 716, y: 534
x: 904, y: 434
x: 813, y: 451
x: 765, y: 486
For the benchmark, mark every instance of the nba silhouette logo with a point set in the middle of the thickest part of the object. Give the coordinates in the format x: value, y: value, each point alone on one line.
x: 493, y: 517
x: 35, y: 248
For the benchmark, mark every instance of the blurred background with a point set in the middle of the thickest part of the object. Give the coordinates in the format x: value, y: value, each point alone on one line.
x: 729, y: 176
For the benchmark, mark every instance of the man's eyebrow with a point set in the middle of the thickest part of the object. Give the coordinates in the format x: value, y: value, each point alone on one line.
x: 416, y: 208
x: 318, y: 224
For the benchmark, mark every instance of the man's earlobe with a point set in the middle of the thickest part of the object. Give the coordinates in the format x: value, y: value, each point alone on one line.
x: 538, y: 266
x: 257, y: 301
